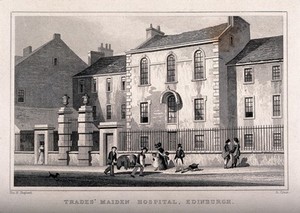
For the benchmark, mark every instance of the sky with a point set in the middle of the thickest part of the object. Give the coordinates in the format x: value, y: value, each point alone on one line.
x: 124, y: 32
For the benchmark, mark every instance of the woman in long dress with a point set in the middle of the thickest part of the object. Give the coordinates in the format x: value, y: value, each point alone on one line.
x: 163, y: 163
x: 41, y: 155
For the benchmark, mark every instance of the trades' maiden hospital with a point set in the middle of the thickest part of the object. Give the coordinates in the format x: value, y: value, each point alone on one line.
x: 197, y: 88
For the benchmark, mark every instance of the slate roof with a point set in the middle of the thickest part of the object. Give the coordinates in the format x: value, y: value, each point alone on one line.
x: 191, y: 36
x: 105, y: 65
x: 19, y: 60
x: 262, y: 49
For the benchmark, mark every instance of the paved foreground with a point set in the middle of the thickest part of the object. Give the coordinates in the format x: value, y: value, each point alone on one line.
x: 72, y: 176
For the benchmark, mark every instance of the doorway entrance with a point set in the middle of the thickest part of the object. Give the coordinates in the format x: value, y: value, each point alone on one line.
x: 109, y: 142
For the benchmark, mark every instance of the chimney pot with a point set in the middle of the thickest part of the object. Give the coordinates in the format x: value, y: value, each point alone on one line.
x: 158, y: 27
x: 106, y: 46
x: 150, y: 25
x: 109, y: 46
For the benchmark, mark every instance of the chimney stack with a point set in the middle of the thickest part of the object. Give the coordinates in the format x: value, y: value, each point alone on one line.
x: 150, y: 32
x: 107, y: 51
x: 27, y: 51
x: 56, y: 36
x: 231, y: 20
x: 94, y: 56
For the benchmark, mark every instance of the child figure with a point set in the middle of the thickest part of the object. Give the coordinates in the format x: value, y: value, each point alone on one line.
x: 155, y: 159
x: 179, y: 158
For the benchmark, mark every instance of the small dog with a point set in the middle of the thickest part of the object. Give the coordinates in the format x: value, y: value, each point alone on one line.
x: 54, y: 176
x: 193, y: 167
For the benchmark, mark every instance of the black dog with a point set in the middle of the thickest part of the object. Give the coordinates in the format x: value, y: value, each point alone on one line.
x: 193, y: 167
x: 54, y: 176
x: 127, y: 161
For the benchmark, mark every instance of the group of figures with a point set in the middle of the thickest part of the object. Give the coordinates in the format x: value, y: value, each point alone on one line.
x: 160, y: 160
x: 231, y: 151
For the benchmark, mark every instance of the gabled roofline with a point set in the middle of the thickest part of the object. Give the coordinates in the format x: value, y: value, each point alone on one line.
x: 41, y: 47
x: 32, y: 53
x: 99, y: 75
x: 255, y: 62
x: 147, y: 40
x: 216, y: 39
x: 226, y: 29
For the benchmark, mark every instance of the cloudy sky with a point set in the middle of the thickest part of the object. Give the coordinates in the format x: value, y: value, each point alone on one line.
x: 122, y: 31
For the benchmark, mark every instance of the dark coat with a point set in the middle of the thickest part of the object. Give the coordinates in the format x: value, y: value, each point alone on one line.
x: 236, y: 150
x: 179, y: 154
x: 226, y: 151
x: 163, y: 159
x: 111, y: 157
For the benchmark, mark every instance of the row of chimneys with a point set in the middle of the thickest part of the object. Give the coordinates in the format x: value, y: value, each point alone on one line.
x: 94, y: 56
x: 106, y: 51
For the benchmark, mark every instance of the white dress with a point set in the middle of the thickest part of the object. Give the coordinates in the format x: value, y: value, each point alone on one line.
x: 41, y: 155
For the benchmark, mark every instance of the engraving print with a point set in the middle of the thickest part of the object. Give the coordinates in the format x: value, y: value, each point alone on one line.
x: 149, y: 101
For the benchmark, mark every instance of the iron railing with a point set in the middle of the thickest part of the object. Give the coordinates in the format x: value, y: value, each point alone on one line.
x: 256, y: 139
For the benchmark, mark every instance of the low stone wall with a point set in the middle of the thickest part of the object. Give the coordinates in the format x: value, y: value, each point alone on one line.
x: 204, y: 159
x: 215, y: 159
x: 53, y: 158
x: 246, y: 159
x: 95, y: 161
x: 24, y: 158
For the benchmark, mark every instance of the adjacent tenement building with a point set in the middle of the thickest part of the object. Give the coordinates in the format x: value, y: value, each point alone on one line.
x: 42, y: 77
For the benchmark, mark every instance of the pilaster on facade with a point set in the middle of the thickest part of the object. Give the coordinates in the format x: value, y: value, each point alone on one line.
x: 216, y: 87
x: 129, y: 92
x: 216, y: 47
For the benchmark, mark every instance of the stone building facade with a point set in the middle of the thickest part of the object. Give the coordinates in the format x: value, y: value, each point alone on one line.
x: 180, y: 81
x: 208, y: 79
x: 257, y: 83
x: 42, y: 77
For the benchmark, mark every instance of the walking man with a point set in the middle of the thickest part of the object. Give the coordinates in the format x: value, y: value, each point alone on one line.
x: 226, y: 153
x: 140, y: 163
x: 179, y: 158
x: 111, y: 160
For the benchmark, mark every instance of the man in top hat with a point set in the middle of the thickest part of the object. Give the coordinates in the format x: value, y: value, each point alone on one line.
x: 179, y: 158
x: 111, y: 160
x: 140, y: 162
